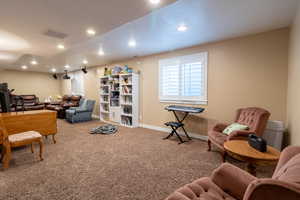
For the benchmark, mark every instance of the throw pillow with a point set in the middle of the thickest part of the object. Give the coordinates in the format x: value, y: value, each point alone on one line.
x: 234, y: 127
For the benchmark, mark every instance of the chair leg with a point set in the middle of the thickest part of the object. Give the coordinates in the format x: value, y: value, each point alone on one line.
x: 41, y: 150
x: 224, y: 156
x: 209, y: 145
x: 6, y: 157
x: 54, y: 140
x: 32, y: 149
x: 2, y: 153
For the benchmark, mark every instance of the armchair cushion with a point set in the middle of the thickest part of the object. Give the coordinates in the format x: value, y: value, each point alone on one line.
x: 239, y: 135
x: 224, y: 175
x: 23, y: 136
x: 202, y: 188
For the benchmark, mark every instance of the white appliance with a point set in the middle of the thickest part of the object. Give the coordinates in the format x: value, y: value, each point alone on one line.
x: 274, y: 134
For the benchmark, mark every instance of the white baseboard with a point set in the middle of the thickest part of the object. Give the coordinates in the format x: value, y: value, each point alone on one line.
x: 95, y: 117
x: 163, y: 129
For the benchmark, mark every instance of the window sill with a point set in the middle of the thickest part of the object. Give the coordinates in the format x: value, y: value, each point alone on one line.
x: 185, y: 102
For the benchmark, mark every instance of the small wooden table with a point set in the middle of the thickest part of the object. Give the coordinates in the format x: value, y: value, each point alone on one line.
x: 241, y: 150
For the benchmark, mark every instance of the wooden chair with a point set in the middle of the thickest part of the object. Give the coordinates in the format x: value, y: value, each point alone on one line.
x: 17, y: 140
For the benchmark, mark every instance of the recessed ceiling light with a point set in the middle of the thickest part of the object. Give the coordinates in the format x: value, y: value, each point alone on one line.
x: 24, y: 67
x: 67, y: 66
x: 34, y: 62
x: 182, y: 28
x: 61, y: 46
x: 91, y: 32
x: 53, y: 70
x: 132, y: 43
x: 155, y: 1
x: 101, y: 52
x: 85, y: 61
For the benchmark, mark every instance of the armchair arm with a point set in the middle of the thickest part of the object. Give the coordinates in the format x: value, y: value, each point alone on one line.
x: 288, y: 153
x: 80, y: 110
x: 55, y: 103
x: 263, y: 189
x: 239, y: 135
x: 219, y: 127
x: 232, y: 179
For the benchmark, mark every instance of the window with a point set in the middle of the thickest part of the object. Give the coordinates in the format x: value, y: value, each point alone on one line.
x: 77, y: 84
x: 184, y: 79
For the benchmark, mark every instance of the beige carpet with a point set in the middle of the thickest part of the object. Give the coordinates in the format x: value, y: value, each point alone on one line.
x: 132, y: 164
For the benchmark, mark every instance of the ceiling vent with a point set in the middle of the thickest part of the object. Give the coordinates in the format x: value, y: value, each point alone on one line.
x: 55, y: 34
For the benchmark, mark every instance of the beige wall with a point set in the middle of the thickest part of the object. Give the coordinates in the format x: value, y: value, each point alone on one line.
x: 293, y: 115
x: 247, y: 71
x: 41, y: 84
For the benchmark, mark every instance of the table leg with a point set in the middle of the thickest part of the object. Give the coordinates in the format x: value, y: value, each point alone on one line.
x: 32, y: 149
x: 6, y: 156
x: 251, y: 169
x: 53, y: 137
x: 41, y: 149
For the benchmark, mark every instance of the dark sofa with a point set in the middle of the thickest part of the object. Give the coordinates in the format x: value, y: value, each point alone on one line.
x: 31, y: 102
x: 67, y: 102
x: 25, y: 103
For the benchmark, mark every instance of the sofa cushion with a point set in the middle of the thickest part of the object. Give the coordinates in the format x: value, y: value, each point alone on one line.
x: 202, y: 188
x: 34, y: 107
x: 66, y: 98
x: 290, y: 172
x: 75, y: 98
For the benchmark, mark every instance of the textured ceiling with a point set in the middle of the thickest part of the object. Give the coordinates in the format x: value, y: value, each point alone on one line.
x: 116, y: 22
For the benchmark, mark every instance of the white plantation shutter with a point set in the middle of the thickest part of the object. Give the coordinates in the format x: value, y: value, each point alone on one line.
x: 184, y: 79
x: 77, y: 83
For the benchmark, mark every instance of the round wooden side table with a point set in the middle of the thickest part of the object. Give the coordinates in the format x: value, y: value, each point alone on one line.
x: 241, y: 150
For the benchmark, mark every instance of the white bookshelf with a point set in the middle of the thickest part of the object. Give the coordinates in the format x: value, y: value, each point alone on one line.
x: 119, y: 99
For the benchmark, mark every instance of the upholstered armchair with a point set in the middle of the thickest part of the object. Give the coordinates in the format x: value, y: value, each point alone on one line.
x: 82, y: 113
x: 255, y: 118
x: 232, y: 183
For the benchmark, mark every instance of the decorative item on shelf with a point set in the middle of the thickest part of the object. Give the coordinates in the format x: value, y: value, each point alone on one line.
x: 104, y: 81
x: 126, y: 120
x: 126, y: 70
x: 105, y: 71
x: 116, y: 70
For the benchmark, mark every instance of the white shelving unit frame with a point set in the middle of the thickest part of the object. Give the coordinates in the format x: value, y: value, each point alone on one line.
x: 116, y: 114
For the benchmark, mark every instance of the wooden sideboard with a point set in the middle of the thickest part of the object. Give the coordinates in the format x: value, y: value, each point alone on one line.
x: 42, y: 121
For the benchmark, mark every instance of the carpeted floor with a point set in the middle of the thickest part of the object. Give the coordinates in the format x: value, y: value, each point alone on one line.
x: 130, y: 165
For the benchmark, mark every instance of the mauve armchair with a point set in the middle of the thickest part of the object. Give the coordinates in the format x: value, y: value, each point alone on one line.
x: 82, y: 113
x: 231, y: 183
x: 255, y: 118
